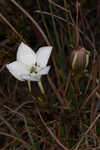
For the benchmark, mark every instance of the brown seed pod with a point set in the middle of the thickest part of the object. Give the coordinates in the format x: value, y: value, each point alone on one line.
x: 79, y: 59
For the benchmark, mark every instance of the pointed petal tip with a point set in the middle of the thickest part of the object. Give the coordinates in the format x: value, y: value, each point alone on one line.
x: 48, y: 47
x: 25, y: 54
x: 43, y: 55
x: 7, y: 66
x: 22, y: 44
x: 17, y: 70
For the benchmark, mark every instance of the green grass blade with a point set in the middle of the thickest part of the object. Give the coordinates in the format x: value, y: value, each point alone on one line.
x: 55, y: 29
x: 44, y: 23
x: 9, y: 126
x: 29, y: 134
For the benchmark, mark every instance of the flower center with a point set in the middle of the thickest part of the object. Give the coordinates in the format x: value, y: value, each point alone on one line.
x: 35, y: 68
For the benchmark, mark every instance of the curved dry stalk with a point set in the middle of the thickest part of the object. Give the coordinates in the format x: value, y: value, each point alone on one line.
x: 89, y: 129
x: 17, y: 139
x: 90, y: 96
x: 49, y: 130
x: 64, y: 9
x: 32, y: 20
x: 26, y: 126
x: 73, y: 22
x: 9, y: 24
x: 55, y: 4
x: 55, y: 91
x: 47, y: 13
x: 67, y: 84
x: 77, y: 25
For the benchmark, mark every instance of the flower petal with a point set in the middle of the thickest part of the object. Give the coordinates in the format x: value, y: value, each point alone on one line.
x: 44, y: 71
x: 31, y: 78
x: 42, y: 55
x: 17, y: 70
x: 26, y: 55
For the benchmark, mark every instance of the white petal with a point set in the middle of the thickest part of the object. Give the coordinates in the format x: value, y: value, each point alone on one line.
x: 17, y: 70
x: 31, y: 78
x: 44, y: 71
x: 43, y: 55
x: 26, y: 55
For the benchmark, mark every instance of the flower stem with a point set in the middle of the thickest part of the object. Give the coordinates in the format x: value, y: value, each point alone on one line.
x: 29, y: 85
x: 41, y: 87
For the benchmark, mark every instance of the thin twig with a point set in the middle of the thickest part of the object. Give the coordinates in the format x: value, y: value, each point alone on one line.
x: 32, y: 20
x: 89, y: 129
x: 73, y: 22
x: 90, y: 96
x: 55, y: 91
x: 64, y: 9
x: 77, y: 26
x: 67, y: 83
x: 47, y: 13
x: 49, y: 130
x: 17, y: 139
x: 22, y: 116
x: 55, y: 4
x: 9, y: 24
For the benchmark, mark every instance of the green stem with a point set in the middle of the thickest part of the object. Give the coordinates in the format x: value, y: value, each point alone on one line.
x: 41, y: 87
x: 29, y: 85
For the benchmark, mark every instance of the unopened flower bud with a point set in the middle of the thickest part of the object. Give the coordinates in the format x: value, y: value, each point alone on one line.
x: 79, y: 59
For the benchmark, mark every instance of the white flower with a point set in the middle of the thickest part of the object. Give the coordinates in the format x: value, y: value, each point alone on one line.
x: 30, y: 65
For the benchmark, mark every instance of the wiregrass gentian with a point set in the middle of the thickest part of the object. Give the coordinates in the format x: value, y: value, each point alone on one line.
x: 29, y: 65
